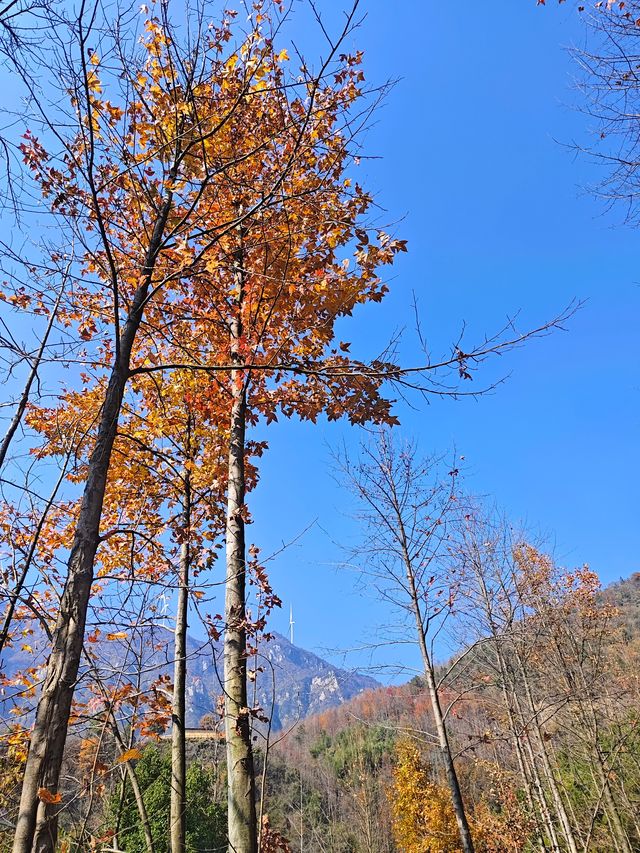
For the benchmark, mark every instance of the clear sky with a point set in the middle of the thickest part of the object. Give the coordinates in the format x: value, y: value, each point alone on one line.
x: 473, y: 167
x: 499, y: 219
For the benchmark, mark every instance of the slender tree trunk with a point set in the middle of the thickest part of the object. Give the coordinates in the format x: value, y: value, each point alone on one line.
x: 447, y: 759
x: 130, y: 774
x: 530, y: 778
x: 533, y: 790
x: 537, y: 779
x: 556, y: 797
x: 441, y: 729
x: 631, y: 810
x: 178, y: 743
x: 142, y: 809
x: 601, y: 768
x: 242, y: 822
x: 611, y: 807
x: 36, y: 826
x: 122, y: 794
x: 436, y: 708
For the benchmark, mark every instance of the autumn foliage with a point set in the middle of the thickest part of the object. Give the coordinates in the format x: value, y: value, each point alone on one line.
x: 423, y: 817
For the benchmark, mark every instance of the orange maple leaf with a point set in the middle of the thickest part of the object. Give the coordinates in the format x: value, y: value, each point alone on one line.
x: 47, y: 797
x: 129, y: 755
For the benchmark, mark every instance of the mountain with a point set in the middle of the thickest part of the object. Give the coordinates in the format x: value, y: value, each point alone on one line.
x: 304, y: 683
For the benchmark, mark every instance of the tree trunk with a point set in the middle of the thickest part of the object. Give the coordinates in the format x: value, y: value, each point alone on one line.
x: 601, y: 768
x: 130, y: 773
x: 530, y: 777
x: 178, y: 745
x: 142, y: 809
x: 436, y: 708
x: 447, y: 759
x: 242, y: 822
x: 556, y: 797
x: 602, y: 774
x: 36, y: 826
x: 537, y: 779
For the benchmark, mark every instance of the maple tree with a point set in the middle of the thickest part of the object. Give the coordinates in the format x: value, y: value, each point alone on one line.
x: 167, y: 180
x: 140, y: 213
x: 166, y: 479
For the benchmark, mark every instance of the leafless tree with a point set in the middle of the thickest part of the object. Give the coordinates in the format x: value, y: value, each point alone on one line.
x: 609, y: 80
x: 407, y: 511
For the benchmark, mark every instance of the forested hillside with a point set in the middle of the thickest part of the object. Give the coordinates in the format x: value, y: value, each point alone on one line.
x: 550, y: 749
x: 366, y: 776
x: 565, y: 739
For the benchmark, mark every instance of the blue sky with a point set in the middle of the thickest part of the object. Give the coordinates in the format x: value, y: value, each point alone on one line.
x: 473, y: 167
x: 496, y: 208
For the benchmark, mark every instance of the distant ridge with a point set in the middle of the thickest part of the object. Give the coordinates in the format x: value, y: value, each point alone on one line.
x: 304, y: 682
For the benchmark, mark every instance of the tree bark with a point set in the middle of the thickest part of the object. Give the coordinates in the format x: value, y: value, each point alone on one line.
x: 130, y: 773
x: 599, y: 764
x: 623, y: 843
x: 556, y: 797
x: 36, y: 826
x: 535, y: 772
x: 178, y: 742
x: 457, y: 800
x: 530, y: 777
x: 142, y: 809
x: 242, y: 822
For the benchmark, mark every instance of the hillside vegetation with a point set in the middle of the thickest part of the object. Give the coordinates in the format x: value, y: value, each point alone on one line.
x: 367, y: 774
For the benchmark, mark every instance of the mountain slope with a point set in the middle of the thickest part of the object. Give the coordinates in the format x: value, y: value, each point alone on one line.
x: 304, y: 683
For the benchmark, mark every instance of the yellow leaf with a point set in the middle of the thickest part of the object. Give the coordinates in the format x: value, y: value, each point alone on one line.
x: 26, y: 648
x: 283, y: 56
x: 117, y: 635
x: 93, y: 82
x: 129, y: 755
